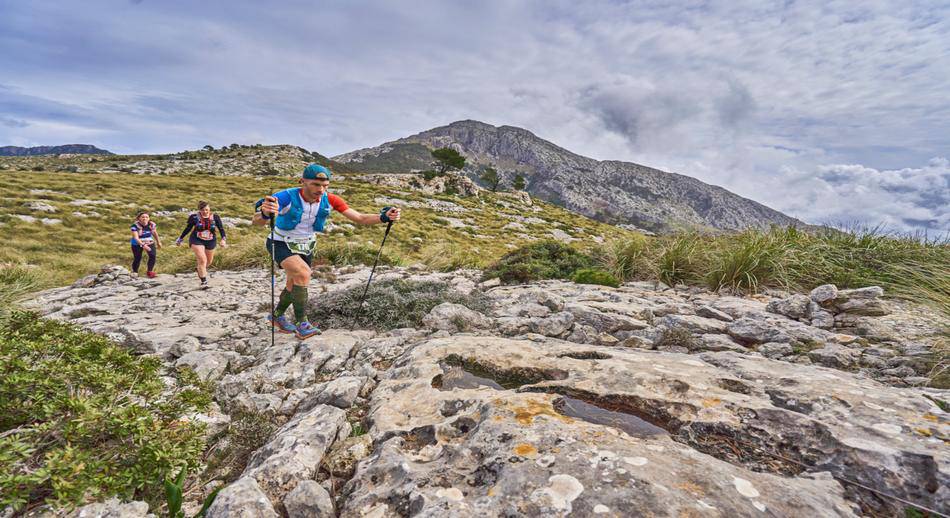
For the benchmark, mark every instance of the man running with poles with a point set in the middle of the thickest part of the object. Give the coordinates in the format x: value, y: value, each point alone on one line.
x: 301, y: 212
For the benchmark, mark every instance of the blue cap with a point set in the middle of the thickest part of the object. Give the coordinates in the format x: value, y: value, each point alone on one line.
x: 316, y: 172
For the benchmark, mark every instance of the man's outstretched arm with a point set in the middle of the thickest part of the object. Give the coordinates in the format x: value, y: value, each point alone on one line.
x: 392, y: 214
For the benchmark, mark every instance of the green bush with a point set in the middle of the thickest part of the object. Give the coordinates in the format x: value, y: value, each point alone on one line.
x: 81, y: 419
x: 539, y: 260
x: 594, y: 276
x: 390, y: 304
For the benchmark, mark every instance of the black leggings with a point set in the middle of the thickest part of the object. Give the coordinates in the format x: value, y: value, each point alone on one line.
x: 137, y: 258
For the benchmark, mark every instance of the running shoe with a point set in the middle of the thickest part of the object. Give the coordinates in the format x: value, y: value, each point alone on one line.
x: 151, y: 275
x: 204, y: 284
x: 306, y: 330
x: 283, y: 324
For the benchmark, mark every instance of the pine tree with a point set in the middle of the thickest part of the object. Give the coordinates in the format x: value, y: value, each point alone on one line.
x: 448, y: 159
x: 490, y: 177
x: 518, y: 184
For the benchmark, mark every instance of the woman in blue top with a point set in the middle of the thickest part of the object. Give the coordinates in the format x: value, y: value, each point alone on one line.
x: 144, y: 238
x: 204, y: 227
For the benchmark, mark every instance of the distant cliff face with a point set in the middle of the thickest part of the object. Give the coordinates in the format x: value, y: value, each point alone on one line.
x: 612, y: 191
x: 74, y: 149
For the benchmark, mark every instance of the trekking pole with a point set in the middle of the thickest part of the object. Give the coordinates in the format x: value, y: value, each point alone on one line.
x: 273, y: 279
x: 371, y: 272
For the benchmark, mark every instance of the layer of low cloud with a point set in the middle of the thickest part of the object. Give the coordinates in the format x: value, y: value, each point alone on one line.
x: 828, y: 111
x: 842, y: 194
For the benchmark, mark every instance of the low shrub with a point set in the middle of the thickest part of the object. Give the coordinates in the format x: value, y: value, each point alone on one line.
x: 390, y: 304
x: 539, y: 260
x: 594, y: 276
x: 81, y: 419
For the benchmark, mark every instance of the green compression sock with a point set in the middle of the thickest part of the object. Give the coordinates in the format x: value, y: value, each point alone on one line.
x: 286, y: 298
x: 300, y: 303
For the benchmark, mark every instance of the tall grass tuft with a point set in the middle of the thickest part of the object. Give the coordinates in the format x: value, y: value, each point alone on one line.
x: 16, y: 281
x: 681, y: 259
x: 750, y: 260
x: 907, y: 266
x: 627, y: 260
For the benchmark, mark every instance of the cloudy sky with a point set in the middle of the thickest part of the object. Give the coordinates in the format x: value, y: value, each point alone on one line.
x: 833, y: 112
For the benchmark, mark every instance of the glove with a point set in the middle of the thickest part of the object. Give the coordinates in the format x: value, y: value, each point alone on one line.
x: 382, y: 215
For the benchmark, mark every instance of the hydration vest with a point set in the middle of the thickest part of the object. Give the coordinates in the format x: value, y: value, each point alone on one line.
x: 290, y: 219
x: 204, y: 227
x: 145, y: 233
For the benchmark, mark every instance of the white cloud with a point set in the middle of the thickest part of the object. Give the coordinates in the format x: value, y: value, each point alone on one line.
x: 901, y: 199
x: 749, y: 95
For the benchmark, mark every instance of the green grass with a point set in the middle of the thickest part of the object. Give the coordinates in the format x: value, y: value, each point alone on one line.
x: 59, y: 254
x: 81, y: 419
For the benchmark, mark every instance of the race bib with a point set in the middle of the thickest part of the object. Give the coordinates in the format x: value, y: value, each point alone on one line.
x: 146, y: 240
x: 205, y: 235
x: 304, y: 247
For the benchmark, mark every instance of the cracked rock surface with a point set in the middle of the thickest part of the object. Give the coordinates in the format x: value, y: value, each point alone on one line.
x: 561, y: 399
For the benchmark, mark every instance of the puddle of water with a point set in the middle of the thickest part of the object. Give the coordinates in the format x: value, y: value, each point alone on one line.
x: 629, y: 423
x: 455, y: 377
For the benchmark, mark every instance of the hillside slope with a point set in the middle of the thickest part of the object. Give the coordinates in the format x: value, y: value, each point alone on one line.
x: 611, y: 191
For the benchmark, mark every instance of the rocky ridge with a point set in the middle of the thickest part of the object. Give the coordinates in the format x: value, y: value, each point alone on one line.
x: 562, y: 399
x: 71, y: 149
x: 234, y: 160
x: 611, y: 191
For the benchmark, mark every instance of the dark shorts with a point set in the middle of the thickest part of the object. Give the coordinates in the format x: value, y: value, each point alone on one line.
x: 209, y: 245
x: 281, y: 251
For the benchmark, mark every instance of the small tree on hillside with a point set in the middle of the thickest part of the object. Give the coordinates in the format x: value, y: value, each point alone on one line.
x: 490, y: 177
x: 518, y: 184
x: 209, y: 147
x: 448, y: 159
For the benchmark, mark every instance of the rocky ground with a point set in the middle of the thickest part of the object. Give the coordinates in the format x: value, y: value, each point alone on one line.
x: 561, y: 399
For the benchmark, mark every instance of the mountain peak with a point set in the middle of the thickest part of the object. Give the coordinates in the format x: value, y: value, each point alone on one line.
x: 611, y: 191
